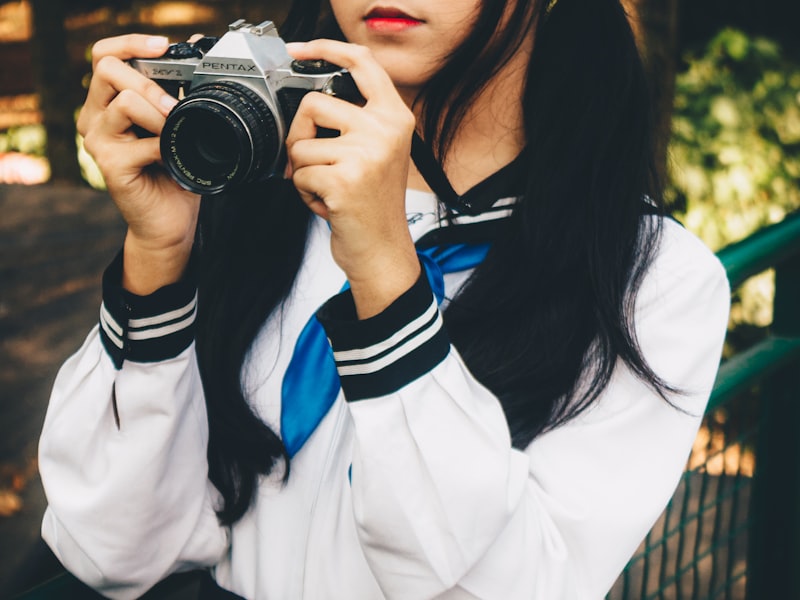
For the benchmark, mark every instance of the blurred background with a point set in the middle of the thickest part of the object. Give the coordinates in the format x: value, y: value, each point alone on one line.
x: 726, y: 81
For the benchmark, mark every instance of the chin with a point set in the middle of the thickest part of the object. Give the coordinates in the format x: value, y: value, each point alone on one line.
x: 403, y: 75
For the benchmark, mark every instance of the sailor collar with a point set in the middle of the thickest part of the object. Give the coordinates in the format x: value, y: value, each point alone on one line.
x: 473, y: 217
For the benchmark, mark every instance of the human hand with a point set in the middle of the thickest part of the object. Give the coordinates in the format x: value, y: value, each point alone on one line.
x: 357, y: 181
x: 161, y: 216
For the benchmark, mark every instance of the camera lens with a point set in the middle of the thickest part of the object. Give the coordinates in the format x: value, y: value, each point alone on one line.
x: 208, y: 144
x: 219, y: 135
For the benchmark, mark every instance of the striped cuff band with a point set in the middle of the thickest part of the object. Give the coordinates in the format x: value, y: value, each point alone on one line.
x: 145, y: 328
x: 380, y: 355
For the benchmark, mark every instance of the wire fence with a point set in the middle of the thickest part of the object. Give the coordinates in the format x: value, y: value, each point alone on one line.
x: 698, y: 547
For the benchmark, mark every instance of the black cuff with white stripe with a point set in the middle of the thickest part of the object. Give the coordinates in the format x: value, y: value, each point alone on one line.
x: 145, y: 328
x: 380, y: 355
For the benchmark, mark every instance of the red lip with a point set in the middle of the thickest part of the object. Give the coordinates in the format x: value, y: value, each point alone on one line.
x: 390, y: 20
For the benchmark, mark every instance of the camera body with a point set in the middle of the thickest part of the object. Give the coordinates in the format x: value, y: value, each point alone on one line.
x: 238, y: 95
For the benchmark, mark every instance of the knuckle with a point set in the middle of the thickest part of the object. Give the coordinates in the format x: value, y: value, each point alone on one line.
x: 361, y: 51
x: 90, y: 144
x: 303, y: 109
x: 365, y: 156
x: 299, y: 178
x: 98, y: 51
x: 362, y: 54
x: 304, y: 105
x: 81, y: 125
x: 105, y: 65
x: 350, y: 177
x: 289, y: 144
x: 291, y: 149
x: 126, y: 100
x: 311, y: 102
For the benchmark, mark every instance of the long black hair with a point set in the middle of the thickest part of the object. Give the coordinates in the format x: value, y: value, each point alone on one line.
x: 544, y: 337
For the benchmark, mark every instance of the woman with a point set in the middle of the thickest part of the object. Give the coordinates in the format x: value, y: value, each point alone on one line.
x: 515, y: 441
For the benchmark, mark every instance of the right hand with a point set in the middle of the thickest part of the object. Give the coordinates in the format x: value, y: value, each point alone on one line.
x: 161, y: 216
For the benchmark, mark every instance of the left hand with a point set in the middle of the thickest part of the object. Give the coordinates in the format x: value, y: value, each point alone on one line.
x: 357, y: 181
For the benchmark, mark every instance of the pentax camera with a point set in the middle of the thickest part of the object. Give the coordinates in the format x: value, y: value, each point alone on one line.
x: 237, y: 97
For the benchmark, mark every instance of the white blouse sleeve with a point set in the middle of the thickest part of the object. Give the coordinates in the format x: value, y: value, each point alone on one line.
x: 446, y: 508
x: 122, y: 453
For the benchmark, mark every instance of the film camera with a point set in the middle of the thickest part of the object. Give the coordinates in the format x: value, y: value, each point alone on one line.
x: 238, y: 95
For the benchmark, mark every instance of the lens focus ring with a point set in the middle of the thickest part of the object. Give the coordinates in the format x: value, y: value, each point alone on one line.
x: 220, y: 134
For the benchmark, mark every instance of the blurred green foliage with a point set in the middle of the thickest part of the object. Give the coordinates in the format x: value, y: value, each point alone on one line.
x: 89, y: 169
x: 27, y: 139
x: 735, y: 150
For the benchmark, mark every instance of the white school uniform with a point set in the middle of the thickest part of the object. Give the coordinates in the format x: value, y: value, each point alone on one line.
x: 405, y: 490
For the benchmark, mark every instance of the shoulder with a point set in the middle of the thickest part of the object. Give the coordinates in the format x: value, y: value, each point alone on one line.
x: 681, y: 247
x: 683, y: 267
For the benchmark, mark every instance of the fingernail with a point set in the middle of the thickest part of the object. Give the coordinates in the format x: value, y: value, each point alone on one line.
x: 167, y: 102
x: 287, y: 172
x: 290, y: 46
x: 157, y: 41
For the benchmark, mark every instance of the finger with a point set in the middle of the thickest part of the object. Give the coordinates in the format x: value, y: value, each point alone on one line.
x: 128, y: 109
x: 129, y: 156
x: 196, y: 37
x: 320, y: 110
x: 114, y: 126
x: 312, y: 182
x: 304, y: 180
x: 315, y: 205
x: 115, y: 76
x: 371, y: 79
x: 112, y: 76
x: 317, y: 151
x: 134, y: 45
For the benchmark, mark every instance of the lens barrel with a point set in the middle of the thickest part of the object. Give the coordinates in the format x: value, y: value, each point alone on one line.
x: 220, y: 135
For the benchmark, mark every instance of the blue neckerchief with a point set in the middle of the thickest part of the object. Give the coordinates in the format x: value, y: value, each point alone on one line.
x: 311, y: 382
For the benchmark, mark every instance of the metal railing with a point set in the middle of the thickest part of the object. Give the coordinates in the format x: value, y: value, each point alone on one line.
x: 732, y: 528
